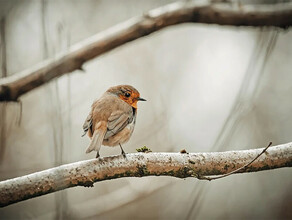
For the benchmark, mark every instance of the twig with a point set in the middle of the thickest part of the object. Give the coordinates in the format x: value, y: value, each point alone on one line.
x: 234, y: 171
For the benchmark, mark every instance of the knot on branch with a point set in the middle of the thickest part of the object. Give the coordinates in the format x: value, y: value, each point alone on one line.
x: 5, y: 94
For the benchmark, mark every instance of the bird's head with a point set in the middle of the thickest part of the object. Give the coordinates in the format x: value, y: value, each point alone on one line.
x: 127, y: 93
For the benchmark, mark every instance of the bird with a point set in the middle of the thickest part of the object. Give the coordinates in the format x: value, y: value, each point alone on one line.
x: 112, y: 118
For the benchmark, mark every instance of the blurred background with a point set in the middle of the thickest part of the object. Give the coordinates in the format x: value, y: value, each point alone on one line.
x: 208, y: 88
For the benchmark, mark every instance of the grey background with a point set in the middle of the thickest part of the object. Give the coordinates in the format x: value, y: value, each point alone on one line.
x: 209, y: 88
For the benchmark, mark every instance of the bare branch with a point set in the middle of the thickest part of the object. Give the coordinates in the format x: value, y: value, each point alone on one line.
x: 181, y: 165
x: 234, y: 171
x: 279, y: 15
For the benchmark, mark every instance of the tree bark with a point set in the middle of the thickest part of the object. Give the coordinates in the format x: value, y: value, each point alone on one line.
x: 181, y: 165
x: 277, y: 15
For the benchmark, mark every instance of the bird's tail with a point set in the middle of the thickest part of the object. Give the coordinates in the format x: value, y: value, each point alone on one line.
x: 97, y: 138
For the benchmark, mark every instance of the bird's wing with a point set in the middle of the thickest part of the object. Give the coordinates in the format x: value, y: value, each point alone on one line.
x: 117, y: 121
x: 87, y: 124
x: 98, y: 136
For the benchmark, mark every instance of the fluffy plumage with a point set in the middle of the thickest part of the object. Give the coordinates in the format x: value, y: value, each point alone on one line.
x: 112, y: 118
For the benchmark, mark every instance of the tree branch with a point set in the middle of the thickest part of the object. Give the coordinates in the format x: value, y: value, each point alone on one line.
x: 238, y: 170
x: 277, y: 15
x: 181, y: 165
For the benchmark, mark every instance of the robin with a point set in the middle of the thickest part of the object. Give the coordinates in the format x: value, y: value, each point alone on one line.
x: 112, y: 118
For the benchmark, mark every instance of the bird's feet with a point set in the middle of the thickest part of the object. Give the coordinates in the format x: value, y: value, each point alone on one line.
x: 123, y: 152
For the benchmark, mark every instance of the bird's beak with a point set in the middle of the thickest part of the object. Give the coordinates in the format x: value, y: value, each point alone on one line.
x: 141, y: 99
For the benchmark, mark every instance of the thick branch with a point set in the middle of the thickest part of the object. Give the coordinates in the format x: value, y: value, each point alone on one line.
x: 279, y: 15
x: 85, y: 173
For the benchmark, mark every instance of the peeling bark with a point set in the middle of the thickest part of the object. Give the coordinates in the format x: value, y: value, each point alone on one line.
x: 180, y: 165
x: 276, y: 15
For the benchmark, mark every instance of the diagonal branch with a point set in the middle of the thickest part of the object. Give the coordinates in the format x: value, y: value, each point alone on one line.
x: 181, y: 165
x: 277, y: 15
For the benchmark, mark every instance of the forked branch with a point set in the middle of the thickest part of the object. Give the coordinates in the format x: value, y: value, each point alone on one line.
x: 181, y: 165
x: 274, y: 15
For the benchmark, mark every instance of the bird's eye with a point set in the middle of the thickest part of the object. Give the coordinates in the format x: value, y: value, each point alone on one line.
x: 127, y: 94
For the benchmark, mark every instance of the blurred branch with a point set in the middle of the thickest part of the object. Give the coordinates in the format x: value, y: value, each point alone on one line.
x: 181, y: 165
x: 273, y: 15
